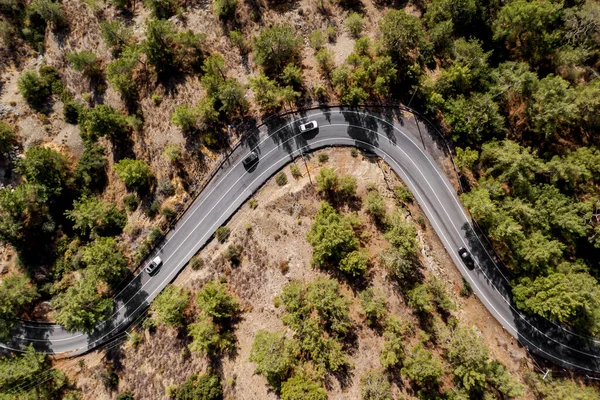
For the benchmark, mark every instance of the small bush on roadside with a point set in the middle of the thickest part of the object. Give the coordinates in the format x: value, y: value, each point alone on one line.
x: 222, y: 234
x: 323, y: 158
x: 281, y: 178
x: 295, y: 171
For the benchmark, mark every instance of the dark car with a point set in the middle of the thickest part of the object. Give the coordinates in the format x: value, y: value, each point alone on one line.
x: 250, y: 159
x: 466, y: 257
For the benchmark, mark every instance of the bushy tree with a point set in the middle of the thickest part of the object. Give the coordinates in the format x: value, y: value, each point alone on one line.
x: 185, y: 117
x: 86, y: 62
x: 300, y: 387
x: 355, y: 263
x: 331, y: 236
x: 205, y: 387
x: 168, y: 307
x: 559, y: 297
x: 16, y: 294
x: 275, y: 47
x: 421, y: 366
x: 121, y: 73
x: 135, y: 174
x: 554, y: 106
x: 24, y: 215
x: 208, y: 337
x: 52, y: 13
x: 104, y: 120
x: 115, y: 34
x: 528, y: 28
x: 373, y: 305
x: 7, y: 138
x: 392, y: 352
x: 375, y: 206
x: 474, y: 119
x: 159, y: 45
x: 402, y: 235
x: 20, y: 373
x: 105, y: 261
x: 224, y: 8
x: 214, y: 300
x: 402, y: 37
x: 354, y: 22
x: 90, y: 171
x: 374, y: 385
x: 47, y: 168
x: 399, y: 265
x: 93, y: 216
x: 34, y: 89
x: 81, y: 307
x: 275, y: 356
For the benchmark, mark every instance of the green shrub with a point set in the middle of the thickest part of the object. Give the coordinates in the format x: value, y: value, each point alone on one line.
x: 354, y: 22
x: 135, y: 174
x: 331, y: 33
x: 86, y: 62
x: 403, y: 194
x: 375, y: 206
x: 274, y: 355
x: 169, y: 306
x: 353, y: 152
x: 33, y: 88
x: 161, y: 9
x: 316, y: 40
x: 392, y: 352
x: 373, y: 305
x: 222, y: 234
x: 205, y: 387
x: 421, y: 366
x: 323, y: 158
x: 238, y: 40
x: 7, y: 137
x: 168, y: 213
x: 233, y: 254
x: 104, y: 120
x: 281, y: 178
x: 216, y: 302
x: 50, y: 12
x: 208, y: 337
x: 374, y: 385
x: 355, y: 263
x: 172, y: 152
x: 153, y: 209
x: 275, y: 47
x: 185, y: 118
x: 347, y: 186
x: 300, y: 387
x: 295, y: 171
x: 197, y: 263
x: 224, y: 8
x: 131, y: 202
x: 165, y: 188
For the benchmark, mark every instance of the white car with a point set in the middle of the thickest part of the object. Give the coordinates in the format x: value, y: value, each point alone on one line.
x: 154, y: 264
x: 309, y: 126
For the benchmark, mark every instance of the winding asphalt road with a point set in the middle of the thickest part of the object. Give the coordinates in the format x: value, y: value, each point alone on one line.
x: 277, y: 144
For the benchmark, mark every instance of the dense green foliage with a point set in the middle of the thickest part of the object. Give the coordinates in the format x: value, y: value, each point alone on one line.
x: 300, y: 387
x: 135, y: 174
x: 212, y: 334
x: 374, y: 385
x: 275, y: 47
x: 97, y: 217
x: 319, y: 316
x: 275, y: 356
x: 168, y: 307
x: 334, y: 242
x: 205, y: 387
x: 16, y: 294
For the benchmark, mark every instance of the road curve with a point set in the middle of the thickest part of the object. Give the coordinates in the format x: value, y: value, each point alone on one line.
x: 279, y: 142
